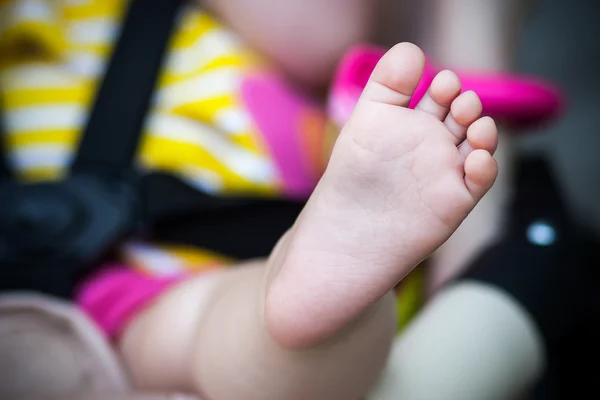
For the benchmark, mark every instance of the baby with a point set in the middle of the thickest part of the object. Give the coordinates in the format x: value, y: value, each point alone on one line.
x: 316, y: 319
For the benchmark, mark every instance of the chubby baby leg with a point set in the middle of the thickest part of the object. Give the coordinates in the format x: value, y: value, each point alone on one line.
x: 207, y: 336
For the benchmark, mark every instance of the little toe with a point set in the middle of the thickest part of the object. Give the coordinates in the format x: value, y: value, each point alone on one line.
x: 444, y: 88
x: 483, y: 135
x: 396, y: 76
x: 481, y: 171
x: 463, y: 112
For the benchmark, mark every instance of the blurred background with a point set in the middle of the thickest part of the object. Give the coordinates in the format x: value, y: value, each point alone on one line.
x: 560, y: 43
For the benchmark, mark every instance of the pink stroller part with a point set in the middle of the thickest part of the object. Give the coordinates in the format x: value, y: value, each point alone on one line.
x: 515, y: 100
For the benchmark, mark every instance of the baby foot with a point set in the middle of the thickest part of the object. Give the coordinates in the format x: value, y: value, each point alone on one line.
x: 398, y: 184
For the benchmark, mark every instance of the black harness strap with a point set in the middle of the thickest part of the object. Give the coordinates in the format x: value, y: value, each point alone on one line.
x: 53, y: 233
x: 113, y: 130
x: 240, y: 227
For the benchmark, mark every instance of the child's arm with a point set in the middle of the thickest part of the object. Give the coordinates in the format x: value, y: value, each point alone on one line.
x: 305, y: 37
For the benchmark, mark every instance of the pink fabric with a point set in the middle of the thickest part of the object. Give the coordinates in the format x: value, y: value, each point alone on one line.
x: 279, y: 111
x: 113, y: 295
x: 516, y: 100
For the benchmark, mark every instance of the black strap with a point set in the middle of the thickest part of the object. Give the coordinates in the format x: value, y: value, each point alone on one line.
x: 167, y: 196
x: 111, y: 137
x: 240, y: 227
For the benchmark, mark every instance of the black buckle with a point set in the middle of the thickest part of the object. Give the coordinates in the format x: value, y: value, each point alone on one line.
x: 56, y: 231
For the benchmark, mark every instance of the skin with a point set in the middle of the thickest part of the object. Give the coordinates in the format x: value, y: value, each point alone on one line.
x: 307, y: 45
x: 316, y: 319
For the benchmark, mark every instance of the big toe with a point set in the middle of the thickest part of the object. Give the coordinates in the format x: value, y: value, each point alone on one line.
x: 396, y: 76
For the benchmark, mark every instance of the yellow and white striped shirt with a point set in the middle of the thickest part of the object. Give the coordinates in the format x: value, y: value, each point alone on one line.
x: 52, y: 57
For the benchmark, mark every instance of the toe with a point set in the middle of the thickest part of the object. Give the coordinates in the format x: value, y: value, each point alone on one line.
x: 442, y: 92
x: 481, y: 135
x: 396, y: 76
x: 480, y: 173
x: 463, y: 112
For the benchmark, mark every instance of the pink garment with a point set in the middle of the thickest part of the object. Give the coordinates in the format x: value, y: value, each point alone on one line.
x: 113, y: 295
x: 288, y: 122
